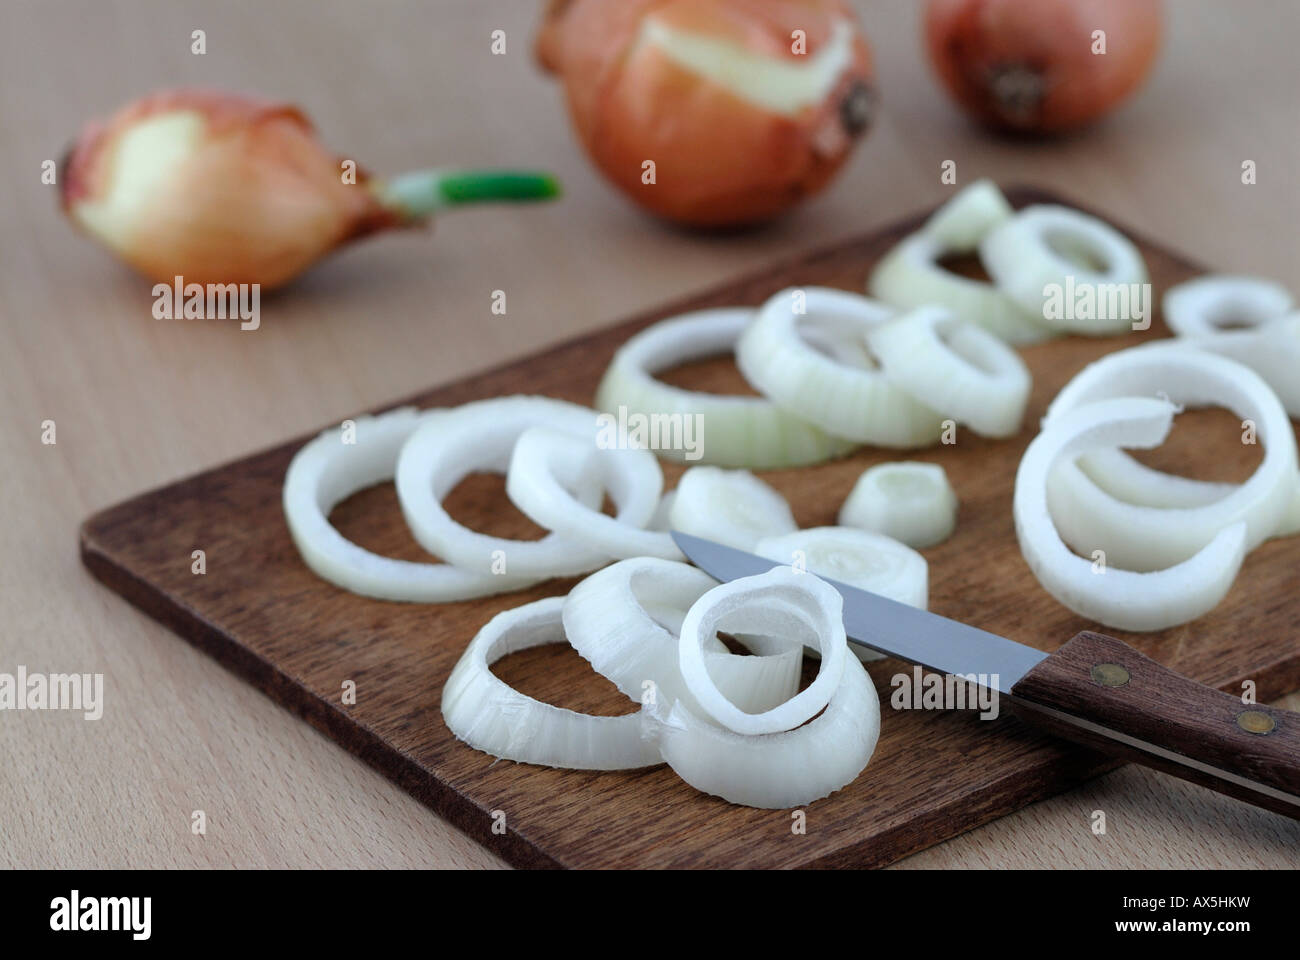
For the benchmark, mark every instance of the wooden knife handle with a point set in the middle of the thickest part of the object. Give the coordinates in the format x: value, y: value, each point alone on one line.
x: 1100, y: 692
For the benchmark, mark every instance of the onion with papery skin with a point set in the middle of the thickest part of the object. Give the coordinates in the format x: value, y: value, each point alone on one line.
x: 1034, y: 65
x: 745, y: 107
x: 223, y: 188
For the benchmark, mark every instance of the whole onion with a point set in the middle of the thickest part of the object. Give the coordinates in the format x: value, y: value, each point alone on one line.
x: 712, y: 112
x: 1037, y: 65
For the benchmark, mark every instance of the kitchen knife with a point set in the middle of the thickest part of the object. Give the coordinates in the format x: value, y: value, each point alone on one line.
x: 1094, y: 690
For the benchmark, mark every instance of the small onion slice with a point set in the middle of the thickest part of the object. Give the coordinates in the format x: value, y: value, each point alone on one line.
x: 1122, y: 599
x: 753, y: 605
x: 624, y: 621
x: 732, y: 507
x: 548, y: 464
x: 1138, y: 537
x: 489, y: 715
x: 1211, y: 305
x: 909, y: 501
x: 1048, y: 246
x: 957, y: 368
x: 778, y: 770
x: 848, y: 400
x: 737, y: 431
x: 481, y: 436
x: 911, y: 276
x: 327, y: 471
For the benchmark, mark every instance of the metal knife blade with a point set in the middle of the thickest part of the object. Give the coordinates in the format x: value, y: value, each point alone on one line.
x: 893, y: 628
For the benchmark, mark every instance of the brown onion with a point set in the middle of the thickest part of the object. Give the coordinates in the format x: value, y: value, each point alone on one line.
x: 739, y: 124
x: 1029, y: 65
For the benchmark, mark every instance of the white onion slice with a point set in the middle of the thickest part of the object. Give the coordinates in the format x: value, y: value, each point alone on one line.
x: 974, y: 210
x: 1122, y: 599
x: 327, y: 471
x: 1051, y: 246
x: 547, y: 464
x: 869, y: 561
x: 1272, y: 351
x: 1138, y: 537
x: 746, y: 606
x: 489, y: 715
x: 624, y: 621
x: 481, y: 436
x: 737, y: 431
x: 911, y: 276
x: 731, y: 507
x: 778, y: 770
x: 909, y: 501
x: 845, y: 399
x: 1212, y: 304
x: 956, y: 368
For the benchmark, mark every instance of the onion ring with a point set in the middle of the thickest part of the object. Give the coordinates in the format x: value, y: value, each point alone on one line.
x: 1122, y: 599
x: 733, y: 507
x: 1139, y: 537
x: 631, y: 476
x: 1207, y: 305
x: 489, y: 715
x: 327, y: 471
x: 481, y: 436
x: 742, y: 604
x: 846, y: 400
x: 1042, y: 246
x: 956, y: 368
x: 741, y: 431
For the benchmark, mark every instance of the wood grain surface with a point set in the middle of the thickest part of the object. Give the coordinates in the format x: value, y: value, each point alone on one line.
x: 407, y: 83
x: 258, y: 610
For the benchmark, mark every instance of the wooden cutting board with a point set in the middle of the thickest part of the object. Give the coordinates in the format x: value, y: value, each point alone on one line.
x: 262, y: 614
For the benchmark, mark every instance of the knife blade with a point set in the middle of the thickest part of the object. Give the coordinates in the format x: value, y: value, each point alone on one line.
x: 892, y: 628
x: 1094, y: 690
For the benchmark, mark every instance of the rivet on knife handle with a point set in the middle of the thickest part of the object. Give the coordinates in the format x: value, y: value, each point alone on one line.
x: 1100, y: 692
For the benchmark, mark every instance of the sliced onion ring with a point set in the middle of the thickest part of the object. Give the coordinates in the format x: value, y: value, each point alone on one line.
x: 548, y: 464
x: 624, y: 619
x: 728, y: 506
x: 1272, y: 351
x: 956, y: 368
x: 327, y: 471
x: 1042, y: 246
x: 779, y: 770
x: 738, y: 431
x: 1122, y: 599
x: 489, y: 715
x: 1139, y: 537
x: 481, y: 436
x: 911, y: 276
x: 911, y: 502
x: 847, y: 400
x: 1212, y: 304
x: 742, y: 605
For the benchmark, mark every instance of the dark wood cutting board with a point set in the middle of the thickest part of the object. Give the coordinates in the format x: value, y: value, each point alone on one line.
x: 262, y: 614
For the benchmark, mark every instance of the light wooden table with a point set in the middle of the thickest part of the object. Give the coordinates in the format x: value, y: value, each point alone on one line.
x: 138, y: 402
